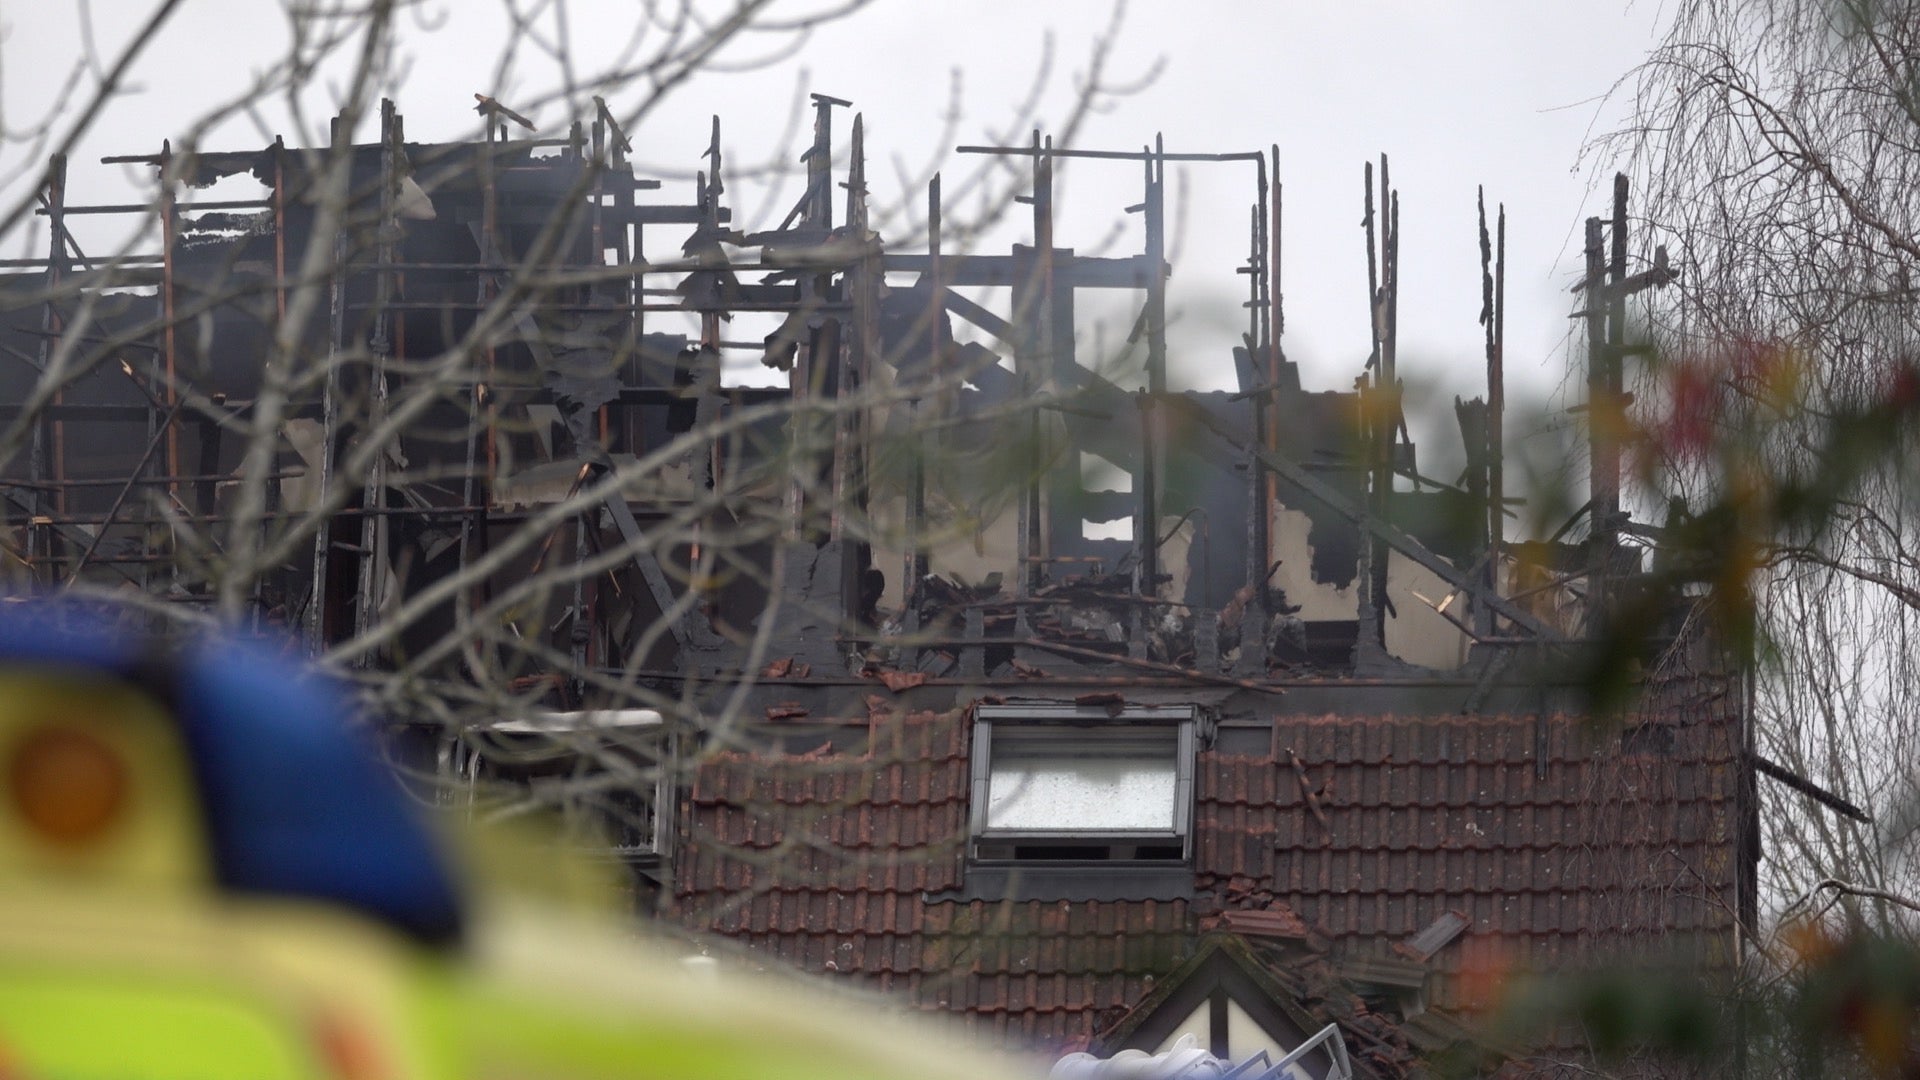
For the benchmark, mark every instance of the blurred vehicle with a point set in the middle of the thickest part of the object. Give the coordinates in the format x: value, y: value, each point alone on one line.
x: 206, y: 875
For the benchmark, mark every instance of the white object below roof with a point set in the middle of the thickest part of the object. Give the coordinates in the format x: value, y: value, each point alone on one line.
x: 1186, y: 1061
x: 571, y: 723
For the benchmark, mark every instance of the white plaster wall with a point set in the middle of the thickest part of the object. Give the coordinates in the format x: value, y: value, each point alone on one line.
x: 964, y: 550
x: 1196, y: 1024
x: 1418, y: 634
x: 1245, y: 1037
x: 971, y: 553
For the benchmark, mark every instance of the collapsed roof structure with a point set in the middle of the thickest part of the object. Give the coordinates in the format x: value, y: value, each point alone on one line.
x: 1093, y: 709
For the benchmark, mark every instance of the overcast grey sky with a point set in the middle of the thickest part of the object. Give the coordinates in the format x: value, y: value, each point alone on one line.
x: 1495, y: 93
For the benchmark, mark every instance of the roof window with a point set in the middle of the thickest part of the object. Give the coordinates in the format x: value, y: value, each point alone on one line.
x: 1068, y: 784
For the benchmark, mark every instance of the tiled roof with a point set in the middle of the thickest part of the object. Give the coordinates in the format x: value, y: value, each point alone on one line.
x: 1385, y: 824
x: 1426, y: 816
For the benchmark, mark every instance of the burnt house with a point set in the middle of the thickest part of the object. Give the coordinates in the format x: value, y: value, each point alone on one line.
x: 949, y: 658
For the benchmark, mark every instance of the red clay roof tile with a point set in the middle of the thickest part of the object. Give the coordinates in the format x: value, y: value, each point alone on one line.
x: 1547, y: 859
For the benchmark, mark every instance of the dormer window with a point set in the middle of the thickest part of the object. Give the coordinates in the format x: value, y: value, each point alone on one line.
x: 1073, y: 784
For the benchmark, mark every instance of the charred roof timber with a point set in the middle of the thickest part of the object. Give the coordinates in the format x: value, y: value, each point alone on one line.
x: 1276, y: 533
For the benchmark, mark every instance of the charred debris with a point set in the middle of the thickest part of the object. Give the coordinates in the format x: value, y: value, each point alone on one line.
x: 937, y: 513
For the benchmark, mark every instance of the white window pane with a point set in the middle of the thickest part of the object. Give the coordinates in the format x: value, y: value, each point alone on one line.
x: 1053, y: 788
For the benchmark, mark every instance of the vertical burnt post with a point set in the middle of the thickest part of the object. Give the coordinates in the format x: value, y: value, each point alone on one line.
x: 481, y: 465
x: 1033, y: 318
x: 47, y: 448
x: 1493, y: 285
x: 1366, y: 612
x: 170, y: 392
x: 1258, y: 384
x: 1603, y: 419
x: 277, y: 202
x: 1377, y: 410
x: 848, y: 358
x: 158, y: 417
x: 1474, y: 429
x: 1616, y: 413
x: 709, y: 187
x: 1146, y: 526
x: 1057, y: 323
x: 586, y: 591
x: 814, y: 375
x: 1042, y: 296
x: 1497, y: 409
x: 1156, y: 227
x: 1607, y: 287
x: 1060, y: 510
x: 915, y: 570
x: 939, y: 338
x: 1617, y: 302
x: 708, y: 404
x: 626, y: 254
x: 205, y: 490
x: 372, y: 576
x: 703, y: 375
x: 1260, y: 343
x: 596, y: 163
x: 704, y: 463
x: 1277, y: 327
x: 1386, y: 414
x: 321, y: 624
x: 819, y: 160
x: 1152, y: 446
x: 918, y: 443
x: 1255, y: 268
x: 859, y: 344
x: 56, y: 271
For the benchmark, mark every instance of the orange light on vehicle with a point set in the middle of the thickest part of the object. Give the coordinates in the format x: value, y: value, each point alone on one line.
x: 349, y: 1051
x: 68, y: 785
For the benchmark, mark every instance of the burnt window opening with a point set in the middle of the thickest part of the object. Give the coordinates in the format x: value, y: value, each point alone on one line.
x: 1072, y: 786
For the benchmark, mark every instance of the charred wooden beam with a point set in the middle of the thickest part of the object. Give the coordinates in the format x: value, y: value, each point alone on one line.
x: 690, y: 628
x: 1810, y: 789
x: 1305, y: 483
x: 1077, y: 271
